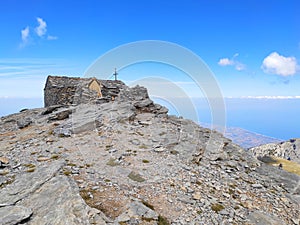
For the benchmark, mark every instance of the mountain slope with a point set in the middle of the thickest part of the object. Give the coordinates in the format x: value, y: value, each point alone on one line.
x: 126, y: 161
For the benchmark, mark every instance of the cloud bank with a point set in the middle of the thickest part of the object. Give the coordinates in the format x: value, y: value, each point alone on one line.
x: 279, y: 65
x: 270, y: 97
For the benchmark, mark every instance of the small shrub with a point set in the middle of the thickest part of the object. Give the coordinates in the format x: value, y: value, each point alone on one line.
x: 147, y: 219
x: 226, y: 143
x: 145, y: 161
x: 9, y: 181
x: 162, y: 221
x: 198, y: 182
x: 232, y: 185
x: 217, y: 207
x: 112, y: 162
x: 174, y: 152
x: 55, y: 156
x: 29, y: 165
x: 71, y: 164
x: 30, y: 170
x: 136, y: 177
x: 108, y: 147
x: 67, y: 172
x: 85, y: 194
x: 139, y: 133
x: 243, y: 205
x: 199, y: 212
x: 4, y: 172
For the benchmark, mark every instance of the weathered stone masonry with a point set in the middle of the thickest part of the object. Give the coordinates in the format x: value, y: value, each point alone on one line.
x: 62, y: 90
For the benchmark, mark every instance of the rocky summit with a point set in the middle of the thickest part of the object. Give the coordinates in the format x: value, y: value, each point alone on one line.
x: 103, y: 153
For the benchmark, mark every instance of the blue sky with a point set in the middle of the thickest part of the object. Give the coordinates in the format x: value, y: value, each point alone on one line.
x: 252, y: 47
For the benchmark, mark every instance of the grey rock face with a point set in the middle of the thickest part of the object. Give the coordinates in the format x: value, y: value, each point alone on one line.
x: 57, y: 202
x: 61, y: 115
x: 137, y: 209
x: 62, y: 132
x: 22, y: 123
x: 45, y: 197
x: 288, y: 149
x: 260, y: 218
x: 26, y: 184
x: 12, y: 215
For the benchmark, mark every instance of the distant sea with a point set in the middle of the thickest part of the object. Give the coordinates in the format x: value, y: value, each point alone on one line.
x: 277, y: 118
x: 14, y: 105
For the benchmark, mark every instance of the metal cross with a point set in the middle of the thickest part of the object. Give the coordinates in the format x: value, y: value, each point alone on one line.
x: 115, y: 74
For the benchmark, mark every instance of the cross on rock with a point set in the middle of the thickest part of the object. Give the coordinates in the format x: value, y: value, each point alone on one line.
x: 115, y: 74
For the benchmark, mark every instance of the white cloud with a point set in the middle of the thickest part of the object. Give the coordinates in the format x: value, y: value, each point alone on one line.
x: 280, y: 65
x: 225, y: 62
x: 239, y: 66
x: 24, y: 36
x: 41, y: 29
x: 51, y: 38
x: 232, y: 62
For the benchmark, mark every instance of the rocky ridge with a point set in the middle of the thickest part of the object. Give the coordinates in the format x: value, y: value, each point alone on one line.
x: 126, y: 161
x: 285, y: 149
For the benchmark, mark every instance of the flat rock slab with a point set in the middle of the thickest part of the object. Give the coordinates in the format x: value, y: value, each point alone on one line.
x: 137, y: 209
x: 58, y: 202
x: 28, y: 183
x: 260, y: 218
x: 45, y: 197
x: 11, y: 215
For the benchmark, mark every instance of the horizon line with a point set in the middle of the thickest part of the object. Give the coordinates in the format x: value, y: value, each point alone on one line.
x: 225, y: 97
